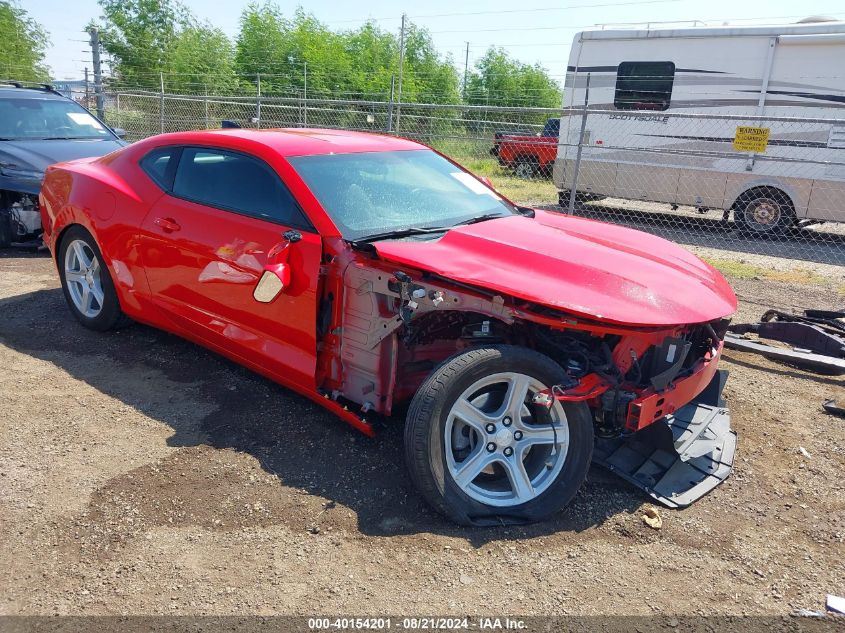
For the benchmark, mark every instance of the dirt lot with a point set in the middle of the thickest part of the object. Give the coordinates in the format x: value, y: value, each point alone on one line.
x: 142, y: 474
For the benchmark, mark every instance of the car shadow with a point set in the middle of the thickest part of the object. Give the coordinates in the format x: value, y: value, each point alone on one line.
x: 304, y: 446
x: 712, y: 231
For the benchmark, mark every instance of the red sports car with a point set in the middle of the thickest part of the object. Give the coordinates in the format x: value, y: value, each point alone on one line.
x: 368, y: 272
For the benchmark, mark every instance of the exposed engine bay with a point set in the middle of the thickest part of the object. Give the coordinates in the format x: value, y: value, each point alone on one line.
x: 397, y: 328
x: 20, y: 218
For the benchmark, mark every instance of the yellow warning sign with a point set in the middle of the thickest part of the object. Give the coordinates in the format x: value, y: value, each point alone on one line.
x: 751, y: 139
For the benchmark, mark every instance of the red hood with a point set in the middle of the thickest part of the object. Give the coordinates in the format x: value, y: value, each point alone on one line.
x: 581, y: 266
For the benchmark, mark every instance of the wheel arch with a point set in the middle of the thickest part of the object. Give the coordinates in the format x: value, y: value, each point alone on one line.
x: 797, y: 192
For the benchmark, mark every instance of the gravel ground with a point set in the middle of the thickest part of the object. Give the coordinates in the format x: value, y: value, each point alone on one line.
x: 141, y: 474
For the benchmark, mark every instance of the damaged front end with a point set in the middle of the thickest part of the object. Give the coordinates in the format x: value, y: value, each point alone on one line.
x: 661, y: 422
x: 653, y: 391
x: 20, y: 218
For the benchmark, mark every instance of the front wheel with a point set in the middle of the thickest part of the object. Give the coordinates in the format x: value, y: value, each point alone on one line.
x: 482, y: 453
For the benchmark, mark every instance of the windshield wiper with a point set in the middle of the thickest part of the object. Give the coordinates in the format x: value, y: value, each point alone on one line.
x: 423, y: 230
x: 481, y: 218
x: 387, y: 235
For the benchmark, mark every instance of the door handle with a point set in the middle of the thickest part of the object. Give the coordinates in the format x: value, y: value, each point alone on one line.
x: 169, y: 225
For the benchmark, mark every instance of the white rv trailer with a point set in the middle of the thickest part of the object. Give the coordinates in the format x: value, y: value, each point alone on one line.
x: 668, y: 107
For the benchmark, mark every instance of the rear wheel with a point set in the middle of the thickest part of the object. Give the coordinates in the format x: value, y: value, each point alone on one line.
x: 764, y: 211
x: 482, y: 453
x: 526, y: 167
x: 86, y: 282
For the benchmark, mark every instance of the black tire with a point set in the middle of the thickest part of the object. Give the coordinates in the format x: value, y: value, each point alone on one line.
x: 110, y: 315
x: 425, y: 443
x: 5, y: 226
x: 580, y: 196
x: 764, y: 212
x: 526, y: 167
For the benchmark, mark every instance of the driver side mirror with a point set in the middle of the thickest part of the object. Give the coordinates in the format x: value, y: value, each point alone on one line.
x: 274, y: 279
x: 119, y: 132
x: 276, y: 276
x: 486, y: 181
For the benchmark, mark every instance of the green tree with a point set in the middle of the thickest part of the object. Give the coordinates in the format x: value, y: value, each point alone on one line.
x: 375, y: 57
x: 427, y: 77
x: 140, y: 36
x: 499, y: 80
x: 261, y: 46
x: 202, y: 59
x: 357, y: 63
x: 24, y: 43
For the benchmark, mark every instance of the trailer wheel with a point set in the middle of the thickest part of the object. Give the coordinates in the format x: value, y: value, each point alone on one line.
x: 764, y: 211
x: 526, y: 167
x: 482, y: 453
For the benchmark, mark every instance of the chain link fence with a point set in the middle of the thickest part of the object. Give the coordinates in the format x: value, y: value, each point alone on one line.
x: 748, y: 184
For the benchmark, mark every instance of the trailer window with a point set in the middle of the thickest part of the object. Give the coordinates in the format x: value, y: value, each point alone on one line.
x: 644, y: 85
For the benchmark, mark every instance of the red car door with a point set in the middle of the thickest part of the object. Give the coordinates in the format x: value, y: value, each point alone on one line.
x: 205, y: 245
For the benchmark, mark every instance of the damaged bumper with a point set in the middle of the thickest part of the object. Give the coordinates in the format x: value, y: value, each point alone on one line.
x: 678, y: 460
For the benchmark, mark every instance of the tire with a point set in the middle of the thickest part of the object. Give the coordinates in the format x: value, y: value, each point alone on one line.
x: 580, y: 196
x: 5, y: 227
x: 526, y: 167
x: 764, y: 212
x: 553, y: 462
x: 88, y: 286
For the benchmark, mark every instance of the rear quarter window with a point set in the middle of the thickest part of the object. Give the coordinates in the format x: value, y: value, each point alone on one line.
x: 160, y: 166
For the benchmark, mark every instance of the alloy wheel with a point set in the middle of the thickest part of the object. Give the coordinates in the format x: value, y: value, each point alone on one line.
x: 502, y: 450
x: 82, y: 275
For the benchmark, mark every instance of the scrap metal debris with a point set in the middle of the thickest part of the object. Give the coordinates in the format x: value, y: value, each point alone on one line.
x: 816, y: 339
x: 831, y: 407
x: 835, y: 604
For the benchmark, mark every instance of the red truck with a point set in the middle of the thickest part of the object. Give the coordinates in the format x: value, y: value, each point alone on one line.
x: 528, y: 156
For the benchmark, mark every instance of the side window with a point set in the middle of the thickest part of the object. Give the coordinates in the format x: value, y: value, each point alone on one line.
x: 235, y: 182
x: 644, y: 85
x: 160, y: 165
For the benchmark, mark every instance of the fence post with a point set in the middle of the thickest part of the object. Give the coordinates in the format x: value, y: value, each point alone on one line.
x: 161, y: 103
x: 205, y: 106
x: 401, y: 66
x: 390, y: 104
x: 574, y: 186
x: 258, y: 101
x: 305, y: 93
x: 117, y: 107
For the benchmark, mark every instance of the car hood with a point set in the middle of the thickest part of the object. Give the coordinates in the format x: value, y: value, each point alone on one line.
x: 588, y: 268
x: 38, y: 154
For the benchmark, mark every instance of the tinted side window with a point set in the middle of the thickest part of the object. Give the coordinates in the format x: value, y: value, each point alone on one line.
x: 644, y: 85
x: 235, y: 182
x: 160, y: 165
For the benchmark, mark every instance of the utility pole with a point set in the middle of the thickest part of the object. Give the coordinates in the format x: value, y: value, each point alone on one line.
x: 401, y: 67
x: 390, y: 103
x: 98, y: 71
x: 87, y: 95
x: 466, y: 69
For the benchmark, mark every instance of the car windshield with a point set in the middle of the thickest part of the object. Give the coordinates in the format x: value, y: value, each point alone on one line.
x: 372, y: 193
x: 47, y: 119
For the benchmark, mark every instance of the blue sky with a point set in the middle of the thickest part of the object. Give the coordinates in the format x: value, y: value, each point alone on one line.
x: 532, y: 30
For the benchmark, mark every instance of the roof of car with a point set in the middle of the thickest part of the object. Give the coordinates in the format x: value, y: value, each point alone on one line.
x: 23, y: 92
x: 305, y: 141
